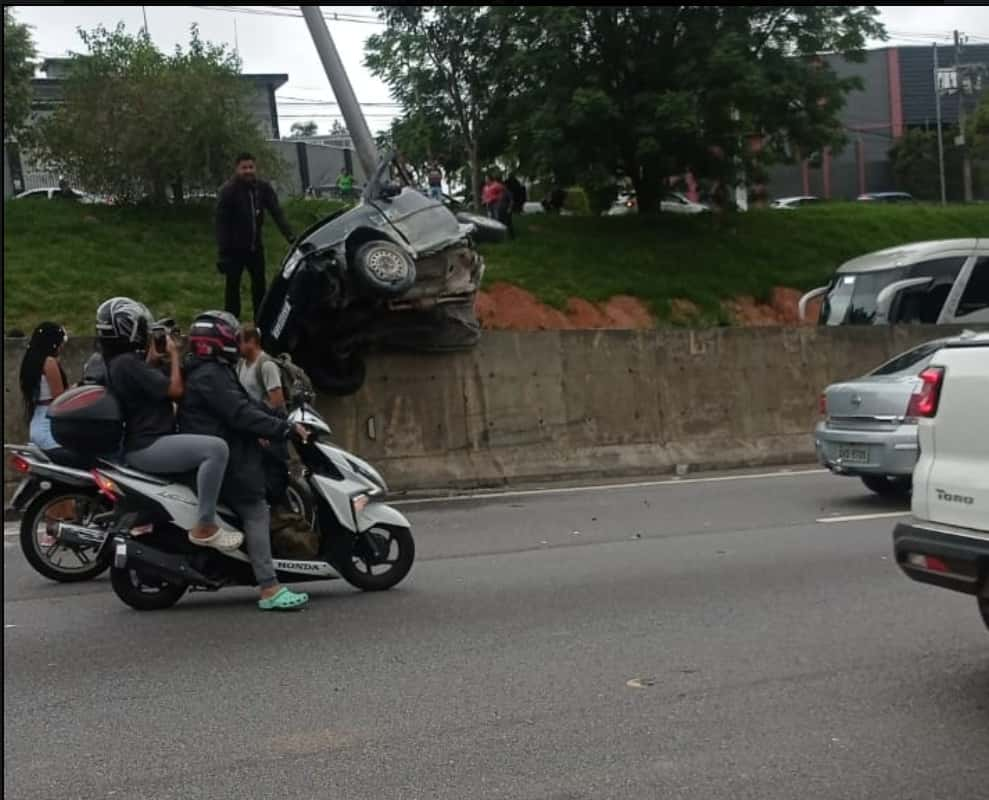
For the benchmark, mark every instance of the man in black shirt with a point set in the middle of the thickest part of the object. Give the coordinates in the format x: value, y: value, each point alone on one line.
x: 239, y: 217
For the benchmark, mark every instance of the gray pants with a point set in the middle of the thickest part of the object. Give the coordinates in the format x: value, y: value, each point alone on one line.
x: 184, y: 452
x: 256, y: 520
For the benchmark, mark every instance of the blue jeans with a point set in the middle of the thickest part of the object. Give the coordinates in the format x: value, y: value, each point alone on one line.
x: 40, y: 429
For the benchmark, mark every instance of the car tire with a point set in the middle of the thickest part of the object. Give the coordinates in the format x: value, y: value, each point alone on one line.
x: 984, y: 610
x: 339, y: 376
x: 887, y: 487
x: 384, y: 268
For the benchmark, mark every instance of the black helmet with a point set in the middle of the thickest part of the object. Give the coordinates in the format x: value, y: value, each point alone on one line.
x: 215, y: 334
x: 123, y: 321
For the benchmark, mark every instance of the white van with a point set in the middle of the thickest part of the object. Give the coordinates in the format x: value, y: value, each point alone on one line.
x: 941, y: 282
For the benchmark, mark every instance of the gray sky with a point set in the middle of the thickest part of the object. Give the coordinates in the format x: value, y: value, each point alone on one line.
x: 278, y: 41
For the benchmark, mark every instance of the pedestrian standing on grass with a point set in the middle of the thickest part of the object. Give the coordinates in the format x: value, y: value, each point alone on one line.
x: 493, y: 195
x: 239, y: 219
x: 435, y: 179
x: 345, y: 184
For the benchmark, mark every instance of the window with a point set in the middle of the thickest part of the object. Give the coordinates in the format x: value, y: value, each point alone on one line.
x: 976, y: 295
x: 911, y: 358
x: 924, y: 305
x: 852, y: 298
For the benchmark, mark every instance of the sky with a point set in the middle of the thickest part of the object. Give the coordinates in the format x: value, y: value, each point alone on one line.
x: 274, y: 39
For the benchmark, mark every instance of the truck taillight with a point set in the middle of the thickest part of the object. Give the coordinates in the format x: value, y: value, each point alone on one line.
x: 924, y: 402
x: 822, y: 405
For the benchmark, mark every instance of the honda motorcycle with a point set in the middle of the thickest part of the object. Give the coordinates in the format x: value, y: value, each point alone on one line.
x: 360, y: 538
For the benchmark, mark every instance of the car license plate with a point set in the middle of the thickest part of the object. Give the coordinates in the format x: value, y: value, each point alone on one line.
x: 853, y: 454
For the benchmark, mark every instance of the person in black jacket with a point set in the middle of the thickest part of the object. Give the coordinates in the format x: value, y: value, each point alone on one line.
x: 240, y: 211
x: 215, y: 403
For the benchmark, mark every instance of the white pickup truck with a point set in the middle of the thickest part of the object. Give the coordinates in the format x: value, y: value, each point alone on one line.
x: 947, y: 541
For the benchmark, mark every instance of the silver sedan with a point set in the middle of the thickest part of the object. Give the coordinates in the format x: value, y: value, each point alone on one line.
x: 867, y: 430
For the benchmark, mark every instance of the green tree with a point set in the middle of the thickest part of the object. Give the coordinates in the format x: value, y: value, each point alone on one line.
x: 650, y: 92
x: 445, y: 65
x: 135, y: 122
x: 18, y: 69
x: 300, y: 129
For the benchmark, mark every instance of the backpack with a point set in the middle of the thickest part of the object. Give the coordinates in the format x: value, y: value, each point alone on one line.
x: 295, y: 383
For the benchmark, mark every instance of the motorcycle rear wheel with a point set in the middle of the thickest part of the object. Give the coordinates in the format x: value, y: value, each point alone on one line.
x: 367, y: 573
x: 143, y: 592
x: 41, y: 555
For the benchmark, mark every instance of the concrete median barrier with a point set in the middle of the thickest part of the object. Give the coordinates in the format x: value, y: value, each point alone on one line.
x: 554, y: 405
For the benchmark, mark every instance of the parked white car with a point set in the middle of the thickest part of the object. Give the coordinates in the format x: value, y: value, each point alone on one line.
x: 790, y: 203
x: 51, y: 192
x: 672, y: 203
x: 940, y: 282
x: 947, y: 541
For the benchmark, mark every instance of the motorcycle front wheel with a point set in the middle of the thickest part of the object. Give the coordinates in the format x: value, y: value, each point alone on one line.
x: 142, y: 592
x: 378, y: 564
x: 45, y: 553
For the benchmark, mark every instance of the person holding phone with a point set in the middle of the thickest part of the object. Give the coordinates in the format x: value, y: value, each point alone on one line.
x: 147, y: 396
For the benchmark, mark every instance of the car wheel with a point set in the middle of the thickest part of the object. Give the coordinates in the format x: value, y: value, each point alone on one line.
x: 384, y: 268
x: 887, y: 487
x: 339, y: 376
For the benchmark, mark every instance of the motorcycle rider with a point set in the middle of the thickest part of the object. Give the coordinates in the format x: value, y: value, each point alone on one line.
x: 215, y: 403
x: 146, y: 396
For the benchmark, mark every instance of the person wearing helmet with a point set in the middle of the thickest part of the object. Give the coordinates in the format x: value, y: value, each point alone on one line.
x: 146, y: 396
x: 216, y: 403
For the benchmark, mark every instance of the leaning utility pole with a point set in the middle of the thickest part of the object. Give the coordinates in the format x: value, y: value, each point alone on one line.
x: 966, y: 162
x: 360, y: 134
x: 940, y: 138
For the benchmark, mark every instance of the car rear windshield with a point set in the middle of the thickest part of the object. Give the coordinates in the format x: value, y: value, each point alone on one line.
x: 910, y: 360
x: 852, y: 297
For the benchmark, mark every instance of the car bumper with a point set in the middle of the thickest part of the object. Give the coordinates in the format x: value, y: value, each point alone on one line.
x: 889, y: 452
x: 945, y: 556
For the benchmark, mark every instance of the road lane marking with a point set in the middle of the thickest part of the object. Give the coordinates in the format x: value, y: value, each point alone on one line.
x: 608, y: 487
x: 863, y: 517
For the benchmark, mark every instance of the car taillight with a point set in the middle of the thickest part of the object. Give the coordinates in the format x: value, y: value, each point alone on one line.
x: 924, y: 402
x: 822, y: 405
x: 20, y: 464
x: 106, y: 487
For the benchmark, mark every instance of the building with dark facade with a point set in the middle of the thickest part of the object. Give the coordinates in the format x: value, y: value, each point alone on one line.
x: 898, y: 94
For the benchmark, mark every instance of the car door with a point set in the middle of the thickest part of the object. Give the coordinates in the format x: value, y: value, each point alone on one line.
x: 969, y: 299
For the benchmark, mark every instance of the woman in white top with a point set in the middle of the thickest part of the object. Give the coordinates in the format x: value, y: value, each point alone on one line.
x: 42, y: 379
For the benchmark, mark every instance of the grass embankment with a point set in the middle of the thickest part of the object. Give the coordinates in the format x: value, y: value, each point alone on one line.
x: 61, y: 260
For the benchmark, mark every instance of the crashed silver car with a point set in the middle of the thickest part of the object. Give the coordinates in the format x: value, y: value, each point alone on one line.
x: 398, y: 271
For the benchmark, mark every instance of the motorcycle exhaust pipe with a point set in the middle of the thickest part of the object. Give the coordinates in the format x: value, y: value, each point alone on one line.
x: 154, y: 562
x: 73, y: 535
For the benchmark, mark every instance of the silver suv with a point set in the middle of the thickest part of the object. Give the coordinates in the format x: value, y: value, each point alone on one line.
x: 940, y: 282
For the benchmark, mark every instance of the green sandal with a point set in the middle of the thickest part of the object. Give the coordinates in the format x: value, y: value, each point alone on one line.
x: 284, y: 600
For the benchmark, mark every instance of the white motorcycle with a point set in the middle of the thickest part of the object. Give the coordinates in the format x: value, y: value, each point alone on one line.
x: 361, y: 539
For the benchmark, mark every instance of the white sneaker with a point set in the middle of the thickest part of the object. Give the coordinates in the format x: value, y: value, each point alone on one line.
x: 223, y: 539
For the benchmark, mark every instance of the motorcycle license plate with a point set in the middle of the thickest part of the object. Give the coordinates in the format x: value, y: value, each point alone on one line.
x: 853, y: 454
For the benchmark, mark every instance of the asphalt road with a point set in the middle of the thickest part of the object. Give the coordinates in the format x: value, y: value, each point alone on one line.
x: 770, y: 656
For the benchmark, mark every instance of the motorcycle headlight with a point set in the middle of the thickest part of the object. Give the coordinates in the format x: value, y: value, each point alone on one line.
x: 292, y: 262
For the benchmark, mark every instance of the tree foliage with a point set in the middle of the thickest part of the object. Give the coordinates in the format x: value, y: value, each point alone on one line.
x: 301, y: 129
x: 18, y: 69
x: 597, y: 93
x: 134, y: 122
x: 655, y: 91
x: 446, y: 65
